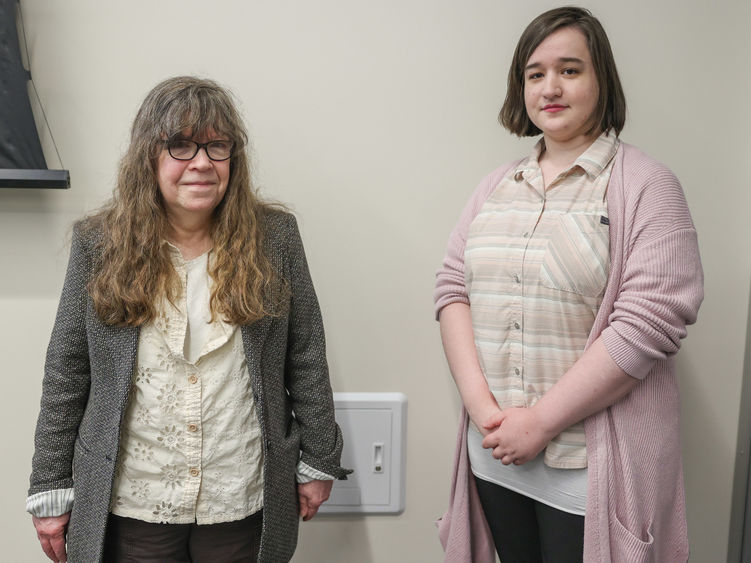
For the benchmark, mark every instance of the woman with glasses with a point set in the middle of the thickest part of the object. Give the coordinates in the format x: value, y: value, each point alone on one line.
x: 186, y: 409
x: 564, y: 294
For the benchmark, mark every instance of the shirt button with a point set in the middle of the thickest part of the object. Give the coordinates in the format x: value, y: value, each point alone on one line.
x: 517, y: 279
x: 194, y: 472
x: 517, y: 326
x: 192, y: 378
x: 517, y: 371
x: 526, y: 235
x: 192, y: 427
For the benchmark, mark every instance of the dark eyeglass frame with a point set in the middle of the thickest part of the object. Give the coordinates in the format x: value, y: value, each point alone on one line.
x: 205, y: 146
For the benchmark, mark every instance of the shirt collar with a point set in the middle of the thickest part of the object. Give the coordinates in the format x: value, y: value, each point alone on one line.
x: 599, y: 154
x: 177, y: 258
x: 592, y: 161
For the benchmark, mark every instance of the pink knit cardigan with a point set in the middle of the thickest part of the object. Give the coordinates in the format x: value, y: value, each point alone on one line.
x: 635, y: 501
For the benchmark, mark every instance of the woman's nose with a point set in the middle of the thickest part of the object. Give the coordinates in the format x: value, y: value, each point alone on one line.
x: 552, y: 87
x: 201, y: 159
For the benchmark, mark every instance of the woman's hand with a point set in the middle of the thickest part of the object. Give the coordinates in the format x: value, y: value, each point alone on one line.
x: 488, y: 419
x: 593, y: 383
x: 51, y: 534
x: 515, y: 435
x: 311, y: 496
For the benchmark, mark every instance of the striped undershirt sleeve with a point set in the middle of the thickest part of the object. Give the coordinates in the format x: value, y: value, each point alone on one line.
x: 305, y: 474
x: 50, y: 503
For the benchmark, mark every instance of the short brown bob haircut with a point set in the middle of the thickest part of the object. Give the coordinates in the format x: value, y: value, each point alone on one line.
x: 610, y: 112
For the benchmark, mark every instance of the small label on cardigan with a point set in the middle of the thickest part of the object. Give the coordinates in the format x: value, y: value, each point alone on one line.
x: 604, y: 220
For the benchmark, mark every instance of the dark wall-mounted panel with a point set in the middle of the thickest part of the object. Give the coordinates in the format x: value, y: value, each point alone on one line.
x: 19, y: 141
x: 22, y: 163
x: 18, y: 178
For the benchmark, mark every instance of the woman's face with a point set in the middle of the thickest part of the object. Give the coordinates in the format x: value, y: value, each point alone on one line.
x: 192, y: 188
x: 560, y: 87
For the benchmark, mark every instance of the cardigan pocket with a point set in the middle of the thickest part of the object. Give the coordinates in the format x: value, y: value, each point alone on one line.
x: 577, y: 256
x: 84, y: 454
x: 625, y: 547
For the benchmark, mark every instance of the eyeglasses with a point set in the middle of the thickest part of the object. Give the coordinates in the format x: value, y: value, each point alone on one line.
x: 185, y: 149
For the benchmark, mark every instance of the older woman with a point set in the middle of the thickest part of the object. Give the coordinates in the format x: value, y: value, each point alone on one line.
x: 562, y: 300
x: 186, y: 401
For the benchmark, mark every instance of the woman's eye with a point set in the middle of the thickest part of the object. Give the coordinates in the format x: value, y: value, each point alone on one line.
x: 221, y: 145
x: 534, y: 76
x: 181, y: 144
x: 570, y: 71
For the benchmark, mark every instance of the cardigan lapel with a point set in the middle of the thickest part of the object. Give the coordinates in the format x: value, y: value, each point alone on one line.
x: 254, y: 338
x: 122, y: 343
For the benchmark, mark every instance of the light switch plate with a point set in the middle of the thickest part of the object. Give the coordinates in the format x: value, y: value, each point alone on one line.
x: 374, y: 428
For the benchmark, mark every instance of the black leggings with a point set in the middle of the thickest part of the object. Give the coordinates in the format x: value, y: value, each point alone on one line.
x: 527, y: 531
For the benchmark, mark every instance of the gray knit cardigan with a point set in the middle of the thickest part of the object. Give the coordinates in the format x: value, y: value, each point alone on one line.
x: 88, y: 374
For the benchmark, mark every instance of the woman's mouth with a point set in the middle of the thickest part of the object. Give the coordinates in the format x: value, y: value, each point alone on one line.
x: 553, y: 108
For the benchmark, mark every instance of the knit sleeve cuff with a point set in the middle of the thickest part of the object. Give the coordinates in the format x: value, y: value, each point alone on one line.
x: 50, y: 503
x: 626, y: 355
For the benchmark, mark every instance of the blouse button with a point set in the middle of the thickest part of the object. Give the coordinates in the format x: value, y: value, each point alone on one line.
x: 517, y: 279
x: 192, y: 378
x: 192, y: 427
x: 194, y: 472
x: 517, y: 371
x: 517, y: 326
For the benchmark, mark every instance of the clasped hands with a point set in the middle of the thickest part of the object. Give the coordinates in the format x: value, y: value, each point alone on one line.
x: 516, y: 435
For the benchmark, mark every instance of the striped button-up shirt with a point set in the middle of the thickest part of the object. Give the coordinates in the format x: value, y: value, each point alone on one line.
x: 536, y: 267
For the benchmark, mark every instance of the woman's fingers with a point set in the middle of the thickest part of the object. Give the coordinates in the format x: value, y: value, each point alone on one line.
x: 58, y: 547
x: 47, y: 548
x: 510, y: 459
x: 311, y: 496
x: 51, y: 534
x: 494, y: 420
x: 303, y: 507
x: 54, y: 548
x: 503, y: 454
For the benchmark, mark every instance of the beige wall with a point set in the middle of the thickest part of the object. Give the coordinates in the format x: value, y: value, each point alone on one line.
x: 374, y: 121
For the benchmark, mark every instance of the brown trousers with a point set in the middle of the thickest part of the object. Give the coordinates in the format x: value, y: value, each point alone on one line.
x: 135, y: 541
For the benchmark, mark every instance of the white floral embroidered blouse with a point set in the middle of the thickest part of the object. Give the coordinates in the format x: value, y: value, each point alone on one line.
x: 191, y: 445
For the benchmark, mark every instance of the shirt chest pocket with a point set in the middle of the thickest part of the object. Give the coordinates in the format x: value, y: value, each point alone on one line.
x: 577, y: 256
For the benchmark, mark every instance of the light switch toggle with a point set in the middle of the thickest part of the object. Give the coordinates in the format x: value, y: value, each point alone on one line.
x: 377, y: 457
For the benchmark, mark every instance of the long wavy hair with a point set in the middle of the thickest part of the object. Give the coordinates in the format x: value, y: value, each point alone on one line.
x: 133, y: 271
